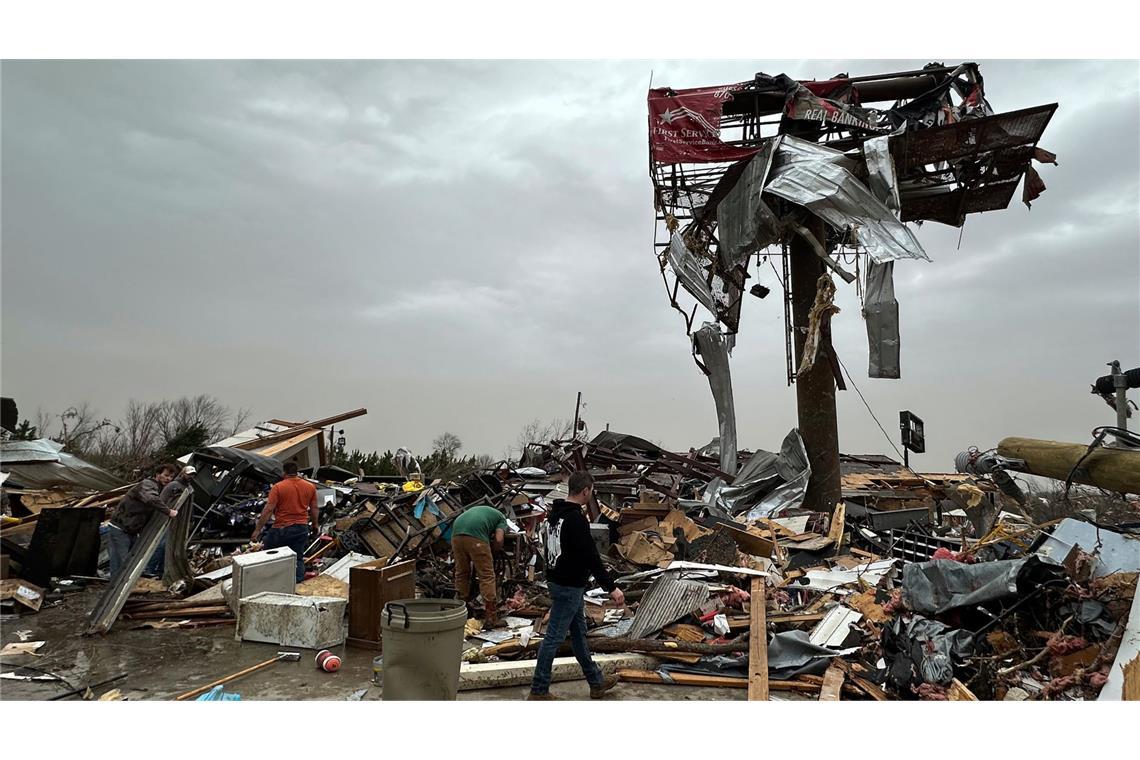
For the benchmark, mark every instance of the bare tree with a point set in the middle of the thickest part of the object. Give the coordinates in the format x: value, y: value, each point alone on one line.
x: 142, y: 431
x: 203, y: 412
x: 536, y: 431
x: 447, y: 444
x: 45, y: 423
x: 78, y: 425
x: 483, y: 460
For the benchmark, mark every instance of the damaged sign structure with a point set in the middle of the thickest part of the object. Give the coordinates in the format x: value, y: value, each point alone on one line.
x: 812, y: 173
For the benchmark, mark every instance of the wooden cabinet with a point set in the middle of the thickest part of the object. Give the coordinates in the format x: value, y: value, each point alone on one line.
x: 371, y: 586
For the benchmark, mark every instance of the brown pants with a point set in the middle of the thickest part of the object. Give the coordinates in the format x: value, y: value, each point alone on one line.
x: 468, y: 550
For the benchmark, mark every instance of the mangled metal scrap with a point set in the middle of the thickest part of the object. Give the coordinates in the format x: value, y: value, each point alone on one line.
x: 818, y: 182
x: 714, y: 347
x: 745, y: 221
x: 768, y: 483
x: 935, y: 151
x: 689, y: 272
x: 669, y: 599
x: 881, y: 312
x: 937, y: 586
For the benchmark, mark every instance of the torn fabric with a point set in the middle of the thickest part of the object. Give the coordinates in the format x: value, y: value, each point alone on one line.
x: 921, y: 650
x: 713, y: 348
x: 1033, y: 186
x: 690, y: 273
x: 881, y: 313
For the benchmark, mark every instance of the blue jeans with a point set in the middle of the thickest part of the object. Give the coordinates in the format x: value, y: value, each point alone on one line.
x: 296, y: 537
x: 156, y: 565
x: 119, y: 545
x: 566, y: 616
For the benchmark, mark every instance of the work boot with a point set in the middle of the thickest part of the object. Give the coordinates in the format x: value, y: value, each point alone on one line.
x: 599, y: 691
x: 491, y: 617
x: 541, y: 697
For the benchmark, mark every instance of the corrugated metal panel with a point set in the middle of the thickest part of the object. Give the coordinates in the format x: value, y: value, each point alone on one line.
x: 690, y: 273
x: 41, y: 450
x: 836, y: 196
x: 667, y: 600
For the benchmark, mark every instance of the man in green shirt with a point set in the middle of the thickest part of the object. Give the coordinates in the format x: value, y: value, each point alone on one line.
x: 471, y: 536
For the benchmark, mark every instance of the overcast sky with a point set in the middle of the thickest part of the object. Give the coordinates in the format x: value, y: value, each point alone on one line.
x: 463, y: 246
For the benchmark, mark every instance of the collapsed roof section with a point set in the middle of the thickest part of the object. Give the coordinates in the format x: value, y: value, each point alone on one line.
x: 43, y: 464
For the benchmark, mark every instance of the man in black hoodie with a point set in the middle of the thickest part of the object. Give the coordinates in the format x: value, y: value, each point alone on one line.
x: 571, y: 558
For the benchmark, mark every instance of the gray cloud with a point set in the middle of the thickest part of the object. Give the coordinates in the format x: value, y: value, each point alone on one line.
x: 464, y: 245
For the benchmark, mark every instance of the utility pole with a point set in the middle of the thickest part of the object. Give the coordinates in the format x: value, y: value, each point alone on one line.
x: 815, y: 389
x: 577, y: 410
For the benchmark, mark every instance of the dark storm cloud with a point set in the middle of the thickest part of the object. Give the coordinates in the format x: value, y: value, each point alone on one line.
x: 463, y: 245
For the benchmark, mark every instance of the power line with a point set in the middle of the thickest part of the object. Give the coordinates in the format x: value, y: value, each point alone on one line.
x: 869, y: 411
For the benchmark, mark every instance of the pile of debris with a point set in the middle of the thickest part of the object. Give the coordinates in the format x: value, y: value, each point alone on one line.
x: 915, y: 586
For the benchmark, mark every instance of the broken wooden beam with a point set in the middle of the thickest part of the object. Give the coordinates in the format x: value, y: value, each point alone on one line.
x: 648, y: 646
x: 758, y: 643
x: 804, y: 686
x: 493, y: 675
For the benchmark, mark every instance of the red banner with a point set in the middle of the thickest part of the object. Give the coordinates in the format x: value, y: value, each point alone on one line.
x: 684, y: 126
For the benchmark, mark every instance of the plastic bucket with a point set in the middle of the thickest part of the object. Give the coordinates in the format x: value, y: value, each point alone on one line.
x: 423, y: 648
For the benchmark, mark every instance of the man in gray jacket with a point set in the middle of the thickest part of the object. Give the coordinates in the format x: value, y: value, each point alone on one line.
x: 156, y: 567
x: 133, y: 512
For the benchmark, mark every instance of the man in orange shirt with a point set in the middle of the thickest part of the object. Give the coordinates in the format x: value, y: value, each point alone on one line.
x: 293, y: 506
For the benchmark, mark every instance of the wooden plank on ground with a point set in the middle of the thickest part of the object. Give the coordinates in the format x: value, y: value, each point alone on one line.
x: 758, y: 643
x: 692, y: 679
x: 832, y: 684
x: 871, y: 690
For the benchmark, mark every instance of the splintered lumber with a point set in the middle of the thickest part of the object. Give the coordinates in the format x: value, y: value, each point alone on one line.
x: 493, y: 675
x: 187, y: 612
x: 832, y: 684
x: 1109, y: 468
x: 653, y: 645
x: 868, y: 688
x: 647, y: 646
x: 957, y: 692
x: 758, y: 644
x: 1131, y: 690
x: 683, y: 679
x: 692, y: 679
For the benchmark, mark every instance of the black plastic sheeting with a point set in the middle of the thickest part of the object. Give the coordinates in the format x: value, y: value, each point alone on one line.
x: 621, y: 442
x: 921, y: 650
x: 262, y: 467
x: 937, y: 586
x: 790, y: 654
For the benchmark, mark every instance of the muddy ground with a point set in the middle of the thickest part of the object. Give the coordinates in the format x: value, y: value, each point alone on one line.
x: 161, y: 664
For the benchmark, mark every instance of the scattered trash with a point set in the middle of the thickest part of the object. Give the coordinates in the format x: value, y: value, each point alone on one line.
x: 217, y: 694
x: 22, y: 647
